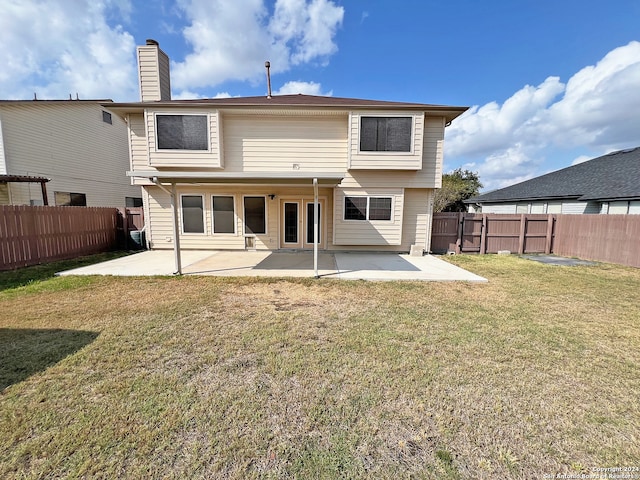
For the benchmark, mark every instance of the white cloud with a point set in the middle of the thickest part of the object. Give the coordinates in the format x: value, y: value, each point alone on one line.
x: 57, y: 48
x: 598, y: 109
x: 308, y: 88
x: 581, y: 159
x: 232, y: 40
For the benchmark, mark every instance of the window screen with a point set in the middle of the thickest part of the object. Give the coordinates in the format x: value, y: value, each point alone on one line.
x: 133, y: 201
x: 182, y: 132
x: 68, y: 199
x: 385, y: 134
x: 192, y: 214
x: 254, y: 215
x: 223, y: 215
x: 355, y: 208
x: 379, y: 208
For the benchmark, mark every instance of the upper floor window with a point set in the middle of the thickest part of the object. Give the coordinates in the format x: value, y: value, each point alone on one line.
x: 385, y: 134
x: 182, y: 132
x: 106, y: 117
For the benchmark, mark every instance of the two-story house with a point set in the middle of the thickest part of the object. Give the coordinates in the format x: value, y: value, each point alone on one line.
x: 64, y: 152
x: 245, y: 173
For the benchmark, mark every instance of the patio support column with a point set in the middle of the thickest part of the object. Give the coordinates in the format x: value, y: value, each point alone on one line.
x: 45, y: 198
x: 315, y: 227
x: 176, y: 230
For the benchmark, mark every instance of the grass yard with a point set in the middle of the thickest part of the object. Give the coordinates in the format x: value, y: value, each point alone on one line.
x: 535, y: 373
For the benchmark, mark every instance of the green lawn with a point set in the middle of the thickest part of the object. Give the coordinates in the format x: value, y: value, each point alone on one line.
x: 535, y: 373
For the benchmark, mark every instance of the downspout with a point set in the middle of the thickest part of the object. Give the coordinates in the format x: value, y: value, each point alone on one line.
x: 176, y: 224
x: 315, y: 227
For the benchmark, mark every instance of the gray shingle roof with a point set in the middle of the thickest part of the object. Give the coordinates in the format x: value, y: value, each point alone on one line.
x: 609, y: 177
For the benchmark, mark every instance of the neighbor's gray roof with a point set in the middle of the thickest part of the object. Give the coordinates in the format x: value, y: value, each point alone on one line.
x: 609, y: 177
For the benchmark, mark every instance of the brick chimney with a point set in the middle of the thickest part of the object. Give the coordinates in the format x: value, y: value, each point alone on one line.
x: 153, y: 73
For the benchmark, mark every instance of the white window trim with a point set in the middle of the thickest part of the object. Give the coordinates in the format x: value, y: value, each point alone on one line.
x: 266, y: 217
x: 368, y: 197
x: 235, y: 213
x: 182, y: 114
x: 397, y: 115
x: 204, y: 214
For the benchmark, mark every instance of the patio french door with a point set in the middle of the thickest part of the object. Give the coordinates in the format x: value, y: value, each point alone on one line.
x: 296, y: 223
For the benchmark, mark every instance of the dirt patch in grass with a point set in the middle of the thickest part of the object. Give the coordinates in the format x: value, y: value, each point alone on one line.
x: 536, y: 372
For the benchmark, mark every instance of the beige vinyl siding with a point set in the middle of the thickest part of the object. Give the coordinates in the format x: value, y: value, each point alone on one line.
x: 433, y: 152
x: 3, y: 160
x: 273, y: 143
x: 618, y: 208
x: 368, y: 232
x: 580, y: 207
x: 211, y: 158
x: 386, y: 160
x: 416, y: 220
x: 160, y: 219
x: 68, y: 142
x: 4, y: 194
x: 153, y: 67
x: 139, y: 151
x: 499, y: 208
x: 538, y: 207
x: 554, y: 207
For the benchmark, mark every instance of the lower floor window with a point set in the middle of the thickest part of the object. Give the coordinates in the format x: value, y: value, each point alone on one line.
x: 68, y: 199
x: 224, y: 219
x: 255, y: 216
x: 367, y: 208
x: 192, y: 214
x: 133, y: 201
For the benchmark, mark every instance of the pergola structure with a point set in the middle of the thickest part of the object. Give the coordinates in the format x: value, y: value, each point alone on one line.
x: 28, y: 179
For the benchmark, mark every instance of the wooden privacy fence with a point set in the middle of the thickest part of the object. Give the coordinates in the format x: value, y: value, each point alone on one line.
x: 33, y: 235
x: 490, y: 233
x: 605, y: 238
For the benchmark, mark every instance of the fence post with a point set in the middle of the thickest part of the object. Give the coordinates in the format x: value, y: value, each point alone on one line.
x: 483, y: 235
x: 523, y: 229
x: 550, y: 225
x: 459, y: 233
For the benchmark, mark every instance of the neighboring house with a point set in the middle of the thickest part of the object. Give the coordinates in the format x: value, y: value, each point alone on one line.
x: 609, y: 184
x: 75, y: 151
x: 245, y: 173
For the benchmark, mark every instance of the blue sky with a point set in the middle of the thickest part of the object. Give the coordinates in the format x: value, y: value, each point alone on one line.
x: 549, y: 83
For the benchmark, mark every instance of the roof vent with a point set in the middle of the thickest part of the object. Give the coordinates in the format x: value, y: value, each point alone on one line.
x: 267, y: 65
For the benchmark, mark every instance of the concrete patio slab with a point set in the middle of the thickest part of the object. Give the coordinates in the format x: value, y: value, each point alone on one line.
x: 339, y: 265
x: 385, y: 266
x: 264, y: 264
x: 150, y: 262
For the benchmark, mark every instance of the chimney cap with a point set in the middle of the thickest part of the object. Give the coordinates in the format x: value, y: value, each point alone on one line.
x: 151, y: 41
